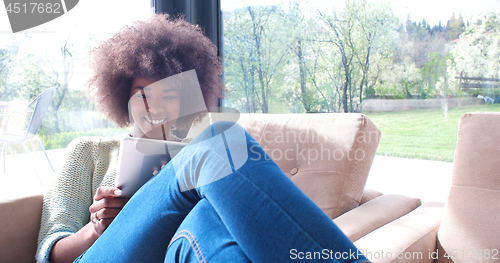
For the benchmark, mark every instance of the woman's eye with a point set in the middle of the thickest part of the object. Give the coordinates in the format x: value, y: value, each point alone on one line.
x: 170, y: 97
x: 141, y: 96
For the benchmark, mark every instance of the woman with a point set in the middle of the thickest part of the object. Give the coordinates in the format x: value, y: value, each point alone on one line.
x: 211, y: 203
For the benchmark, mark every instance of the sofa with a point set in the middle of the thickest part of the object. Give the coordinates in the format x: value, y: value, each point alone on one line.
x: 328, y: 156
x: 467, y: 227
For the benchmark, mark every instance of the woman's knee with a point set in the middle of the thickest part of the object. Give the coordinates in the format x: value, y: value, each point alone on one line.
x: 217, y: 152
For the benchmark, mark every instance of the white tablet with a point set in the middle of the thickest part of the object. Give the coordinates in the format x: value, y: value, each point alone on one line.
x: 138, y: 158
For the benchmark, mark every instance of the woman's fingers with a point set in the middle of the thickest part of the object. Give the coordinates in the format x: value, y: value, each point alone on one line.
x: 104, y: 211
x: 103, y: 192
x: 156, y: 169
x: 102, y: 219
x: 113, y: 202
x: 107, y: 203
x: 105, y: 207
x: 107, y: 213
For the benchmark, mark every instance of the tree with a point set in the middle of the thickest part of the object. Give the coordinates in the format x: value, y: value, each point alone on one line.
x: 253, y: 34
x: 455, y: 27
x: 33, y: 74
x: 7, y: 54
x: 304, y: 83
x: 5, y: 59
x: 32, y: 70
x: 375, y: 22
x: 432, y: 73
x: 477, y: 52
x: 238, y: 64
x: 358, y: 31
x: 341, y: 26
x: 62, y: 73
x: 328, y: 61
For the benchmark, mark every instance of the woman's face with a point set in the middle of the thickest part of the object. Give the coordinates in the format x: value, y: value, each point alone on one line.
x: 154, y: 108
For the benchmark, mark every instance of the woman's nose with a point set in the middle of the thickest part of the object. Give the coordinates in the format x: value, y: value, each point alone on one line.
x: 156, y: 104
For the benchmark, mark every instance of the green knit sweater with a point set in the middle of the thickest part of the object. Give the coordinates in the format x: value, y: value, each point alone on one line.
x: 91, y: 162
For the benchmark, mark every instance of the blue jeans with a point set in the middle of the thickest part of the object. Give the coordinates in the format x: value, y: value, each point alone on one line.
x: 205, y: 206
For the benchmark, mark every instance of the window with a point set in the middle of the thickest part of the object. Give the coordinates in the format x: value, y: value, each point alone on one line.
x: 414, y: 68
x: 55, y: 54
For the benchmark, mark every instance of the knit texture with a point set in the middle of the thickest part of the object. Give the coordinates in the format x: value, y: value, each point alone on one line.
x: 91, y: 162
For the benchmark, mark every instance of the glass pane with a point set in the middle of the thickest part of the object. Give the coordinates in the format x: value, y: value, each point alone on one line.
x: 412, y: 67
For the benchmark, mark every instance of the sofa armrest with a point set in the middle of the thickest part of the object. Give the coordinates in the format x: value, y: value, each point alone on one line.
x: 411, y: 238
x: 369, y: 194
x: 374, y: 214
x: 19, y: 226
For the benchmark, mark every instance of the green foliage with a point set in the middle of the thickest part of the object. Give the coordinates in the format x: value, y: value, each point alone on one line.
x: 255, y: 56
x: 332, y: 60
x: 455, y: 27
x: 476, y: 54
x: 432, y: 73
x: 29, y: 71
x: 321, y: 61
x: 61, y: 140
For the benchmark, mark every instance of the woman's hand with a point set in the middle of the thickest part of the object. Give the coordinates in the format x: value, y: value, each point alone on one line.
x: 156, y: 170
x: 105, y: 207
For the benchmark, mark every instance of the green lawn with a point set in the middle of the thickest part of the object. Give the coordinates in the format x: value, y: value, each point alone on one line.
x: 422, y: 134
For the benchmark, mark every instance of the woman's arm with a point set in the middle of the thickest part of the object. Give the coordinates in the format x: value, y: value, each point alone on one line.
x: 69, y: 248
x: 65, y: 205
x: 103, y: 210
x: 65, y: 213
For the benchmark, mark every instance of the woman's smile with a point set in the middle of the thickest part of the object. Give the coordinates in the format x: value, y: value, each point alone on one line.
x: 156, y: 121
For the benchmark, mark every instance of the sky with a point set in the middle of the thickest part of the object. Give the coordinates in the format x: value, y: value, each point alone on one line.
x: 432, y: 10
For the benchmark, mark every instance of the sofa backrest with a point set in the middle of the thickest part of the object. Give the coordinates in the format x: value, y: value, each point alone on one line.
x: 472, y: 211
x: 19, y: 225
x: 327, y: 155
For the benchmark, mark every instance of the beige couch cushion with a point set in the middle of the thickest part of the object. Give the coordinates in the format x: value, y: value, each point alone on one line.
x: 369, y: 194
x: 374, y: 214
x: 19, y: 225
x: 471, y: 219
x: 328, y: 156
x: 411, y: 238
